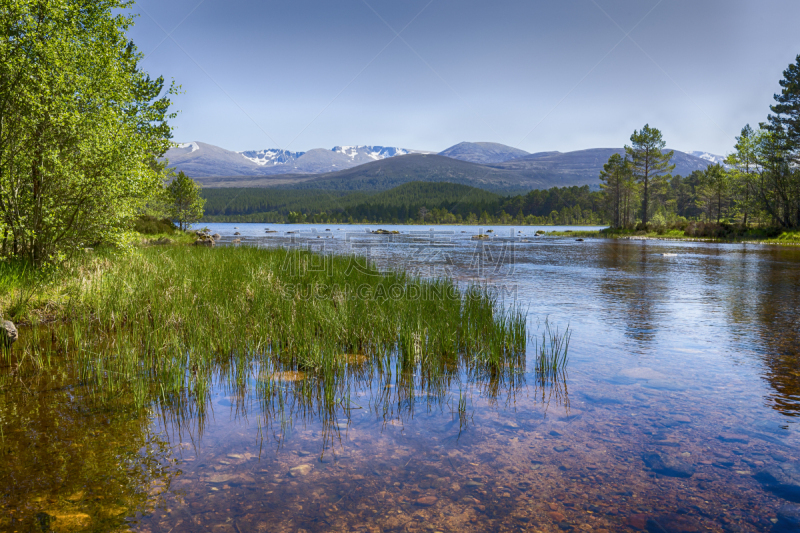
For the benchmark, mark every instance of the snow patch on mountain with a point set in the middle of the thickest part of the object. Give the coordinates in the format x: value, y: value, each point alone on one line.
x: 320, y: 160
x: 711, y: 158
x: 271, y: 157
x: 193, y: 146
x: 373, y: 152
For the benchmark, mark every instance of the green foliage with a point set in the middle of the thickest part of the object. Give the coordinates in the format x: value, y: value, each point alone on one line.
x: 786, y: 120
x: 714, y: 187
x: 186, y: 204
x: 81, y: 127
x: 149, y: 225
x: 444, y: 203
x: 650, y: 165
x: 620, y: 191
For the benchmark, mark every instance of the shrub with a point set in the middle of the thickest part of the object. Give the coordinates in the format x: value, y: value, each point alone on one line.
x: 149, y: 225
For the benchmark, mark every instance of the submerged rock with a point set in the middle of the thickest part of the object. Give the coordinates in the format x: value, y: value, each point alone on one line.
x: 302, y: 470
x: 668, y: 466
x: 601, y: 398
x: 783, y: 480
x: 8, y: 332
x: 426, y: 501
x: 788, y: 518
x: 643, y: 372
x: 733, y: 437
x: 665, y: 385
x: 673, y: 523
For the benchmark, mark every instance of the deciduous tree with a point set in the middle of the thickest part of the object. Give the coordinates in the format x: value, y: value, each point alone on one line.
x: 81, y: 126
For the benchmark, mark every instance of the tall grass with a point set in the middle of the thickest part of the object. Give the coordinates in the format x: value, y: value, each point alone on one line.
x: 550, y: 372
x: 553, y: 352
x: 164, y: 325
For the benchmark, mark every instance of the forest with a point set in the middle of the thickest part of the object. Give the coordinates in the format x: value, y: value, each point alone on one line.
x: 411, y: 203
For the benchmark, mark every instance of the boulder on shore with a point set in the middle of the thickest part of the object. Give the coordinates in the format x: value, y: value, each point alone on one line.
x: 205, y: 240
x: 8, y: 333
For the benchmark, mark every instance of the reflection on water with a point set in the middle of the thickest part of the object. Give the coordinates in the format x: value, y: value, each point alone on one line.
x: 677, y: 414
x: 70, y: 462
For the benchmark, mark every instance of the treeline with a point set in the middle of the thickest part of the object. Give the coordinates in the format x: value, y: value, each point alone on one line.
x: 759, y: 185
x: 411, y: 203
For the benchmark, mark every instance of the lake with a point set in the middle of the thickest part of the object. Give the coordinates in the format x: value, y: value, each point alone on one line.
x: 678, y: 410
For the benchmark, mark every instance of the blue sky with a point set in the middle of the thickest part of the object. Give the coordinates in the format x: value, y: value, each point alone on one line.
x: 427, y: 74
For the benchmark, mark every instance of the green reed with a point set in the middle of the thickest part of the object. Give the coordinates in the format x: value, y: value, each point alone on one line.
x: 553, y: 353
x: 165, y: 324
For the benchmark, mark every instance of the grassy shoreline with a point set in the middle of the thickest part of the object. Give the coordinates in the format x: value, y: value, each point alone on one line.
x: 176, y: 315
x: 787, y: 238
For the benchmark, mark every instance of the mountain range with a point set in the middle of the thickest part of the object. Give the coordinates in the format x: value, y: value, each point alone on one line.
x: 201, y: 160
x: 490, y: 166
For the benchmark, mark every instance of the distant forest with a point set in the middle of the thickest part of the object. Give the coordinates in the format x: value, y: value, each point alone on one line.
x: 436, y: 203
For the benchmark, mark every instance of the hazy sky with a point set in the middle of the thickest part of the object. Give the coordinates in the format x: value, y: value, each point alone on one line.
x: 427, y: 74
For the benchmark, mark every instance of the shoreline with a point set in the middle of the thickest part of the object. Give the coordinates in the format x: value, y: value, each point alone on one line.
x: 672, y: 238
x: 594, y: 234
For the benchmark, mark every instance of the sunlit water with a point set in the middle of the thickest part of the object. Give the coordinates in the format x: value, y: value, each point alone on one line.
x: 681, y: 400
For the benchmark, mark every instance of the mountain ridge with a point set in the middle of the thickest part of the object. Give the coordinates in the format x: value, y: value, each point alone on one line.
x: 342, y: 167
x: 200, y: 159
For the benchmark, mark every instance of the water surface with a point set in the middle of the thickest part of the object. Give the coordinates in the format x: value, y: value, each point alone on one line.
x: 683, y: 385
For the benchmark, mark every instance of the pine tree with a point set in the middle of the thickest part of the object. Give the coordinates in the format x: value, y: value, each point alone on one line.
x: 615, y: 178
x: 715, y: 183
x: 744, y: 170
x: 650, y: 164
x: 185, y: 200
x: 787, y: 111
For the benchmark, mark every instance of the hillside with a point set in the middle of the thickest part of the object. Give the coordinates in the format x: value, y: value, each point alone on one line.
x: 389, y: 173
x: 483, y: 153
x: 200, y: 160
x: 584, y: 166
x: 427, y: 194
x: 246, y: 201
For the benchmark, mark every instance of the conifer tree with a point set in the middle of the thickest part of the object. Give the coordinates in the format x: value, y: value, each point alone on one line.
x: 650, y: 164
x: 185, y: 200
x: 615, y: 178
x: 787, y: 110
